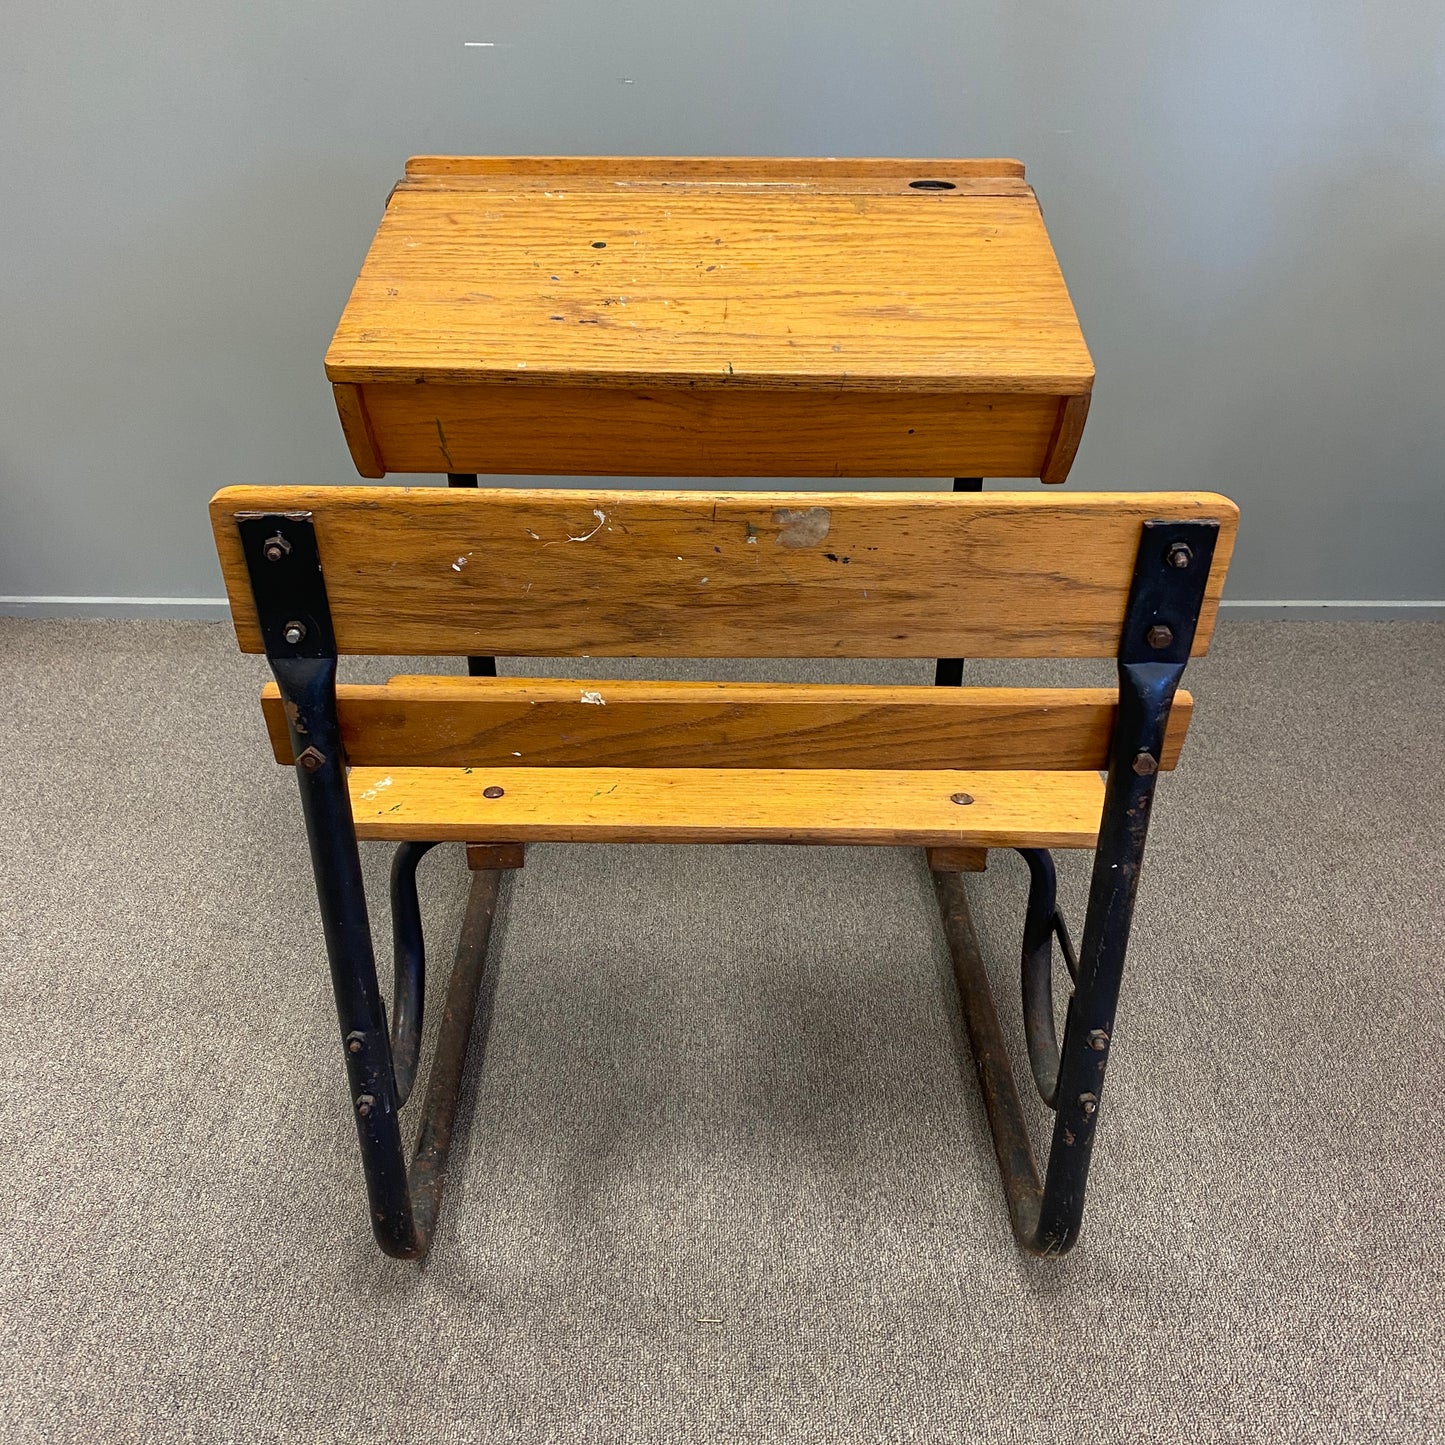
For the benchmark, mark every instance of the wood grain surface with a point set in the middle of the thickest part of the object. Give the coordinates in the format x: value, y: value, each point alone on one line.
x: 657, y: 574
x: 699, y: 432
x: 736, y: 285
x: 717, y: 805
x: 556, y: 722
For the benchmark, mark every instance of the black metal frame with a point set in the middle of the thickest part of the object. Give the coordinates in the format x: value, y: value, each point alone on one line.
x: 381, y: 1063
x: 476, y: 666
x: 1165, y: 598
x: 1170, y: 574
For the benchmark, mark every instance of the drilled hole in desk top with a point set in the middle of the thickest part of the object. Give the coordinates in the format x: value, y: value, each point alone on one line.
x: 932, y: 186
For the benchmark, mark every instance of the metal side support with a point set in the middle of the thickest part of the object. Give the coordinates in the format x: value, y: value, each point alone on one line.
x: 1170, y: 574
x: 295, y: 618
x: 476, y: 666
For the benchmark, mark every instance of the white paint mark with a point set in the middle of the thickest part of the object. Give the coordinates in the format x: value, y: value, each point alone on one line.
x: 516, y: 755
x: 593, y: 696
x: 803, y: 528
x: 704, y: 579
x: 479, y: 44
x: 531, y: 534
x: 586, y: 536
x: 372, y: 792
x: 461, y: 562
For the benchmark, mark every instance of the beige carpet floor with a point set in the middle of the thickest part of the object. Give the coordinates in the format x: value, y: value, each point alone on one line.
x: 723, y: 1173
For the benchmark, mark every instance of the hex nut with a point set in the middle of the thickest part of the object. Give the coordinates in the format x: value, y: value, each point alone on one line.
x: 275, y: 548
x: 364, y: 1104
x: 354, y: 1041
x: 1180, y: 554
x: 1146, y: 765
x: 1159, y: 635
x: 1098, y: 1040
x: 1088, y: 1102
x: 294, y: 632
x: 311, y: 759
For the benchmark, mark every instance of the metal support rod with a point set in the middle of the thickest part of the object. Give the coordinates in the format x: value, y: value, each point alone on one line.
x: 476, y: 666
x: 949, y: 671
x: 1043, y: 922
x: 408, y: 952
x: 1158, y: 632
x: 286, y: 580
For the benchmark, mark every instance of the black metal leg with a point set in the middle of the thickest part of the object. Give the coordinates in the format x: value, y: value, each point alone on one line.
x: 1158, y: 632
x: 285, y: 572
x: 476, y: 666
x: 949, y: 672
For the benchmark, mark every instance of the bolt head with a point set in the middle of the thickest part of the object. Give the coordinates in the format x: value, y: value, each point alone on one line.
x: 365, y: 1103
x: 275, y: 548
x: 1146, y: 765
x: 311, y: 759
x: 962, y: 799
x: 1180, y: 554
x: 294, y: 632
x: 1159, y: 635
x: 493, y: 792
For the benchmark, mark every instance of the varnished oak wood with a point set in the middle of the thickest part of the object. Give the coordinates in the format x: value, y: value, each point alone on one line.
x: 495, y: 857
x: 957, y: 860
x: 508, y: 302
x: 554, y: 722
x: 1064, y: 444
x: 656, y: 574
x: 728, y: 805
x: 701, y: 432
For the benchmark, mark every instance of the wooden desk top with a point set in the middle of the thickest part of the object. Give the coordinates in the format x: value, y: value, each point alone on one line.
x: 764, y: 273
x: 726, y: 275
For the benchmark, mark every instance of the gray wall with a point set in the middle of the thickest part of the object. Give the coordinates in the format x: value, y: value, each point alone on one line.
x: 1248, y: 202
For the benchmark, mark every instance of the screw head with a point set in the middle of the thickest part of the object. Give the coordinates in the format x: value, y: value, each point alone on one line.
x: 1180, y: 554
x: 1159, y: 635
x: 354, y: 1041
x: 364, y: 1104
x: 294, y: 632
x: 493, y: 792
x: 962, y: 799
x: 311, y: 759
x: 1146, y: 765
x: 275, y: 548
x: 1098, y: 1040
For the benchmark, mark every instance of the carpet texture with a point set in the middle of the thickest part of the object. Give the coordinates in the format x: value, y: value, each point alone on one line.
x: 723, y: 1173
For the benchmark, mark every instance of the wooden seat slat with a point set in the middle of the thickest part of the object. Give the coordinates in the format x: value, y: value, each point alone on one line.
x: 728, y: 805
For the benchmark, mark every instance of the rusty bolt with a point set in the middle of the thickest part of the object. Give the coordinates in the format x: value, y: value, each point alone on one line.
x: 493, y: 792
x: 1180, y: 554
x: 311, y: 759
x: 1146, y: 764
x: 962, y: 799
x: 1098, y: 1040
x: 354, y: 1041
x: 275, y: 548
x: 294, y: 632
x: 1088, y: 1102
x: 1159, y: 635
x: 364, y: 1104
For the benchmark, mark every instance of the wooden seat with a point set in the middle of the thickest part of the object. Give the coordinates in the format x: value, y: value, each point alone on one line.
x: 314, y: 573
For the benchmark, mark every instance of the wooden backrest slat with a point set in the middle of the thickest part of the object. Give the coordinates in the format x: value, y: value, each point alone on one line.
x: 686, y: 574
x: 555, y: 722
